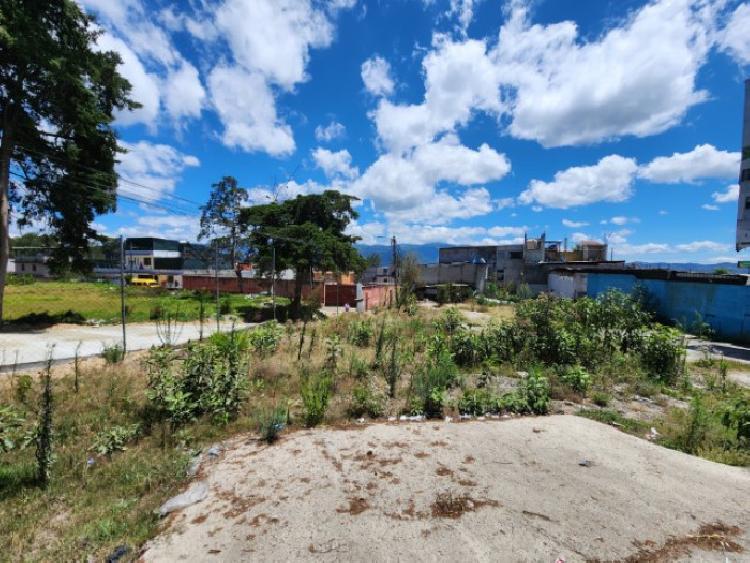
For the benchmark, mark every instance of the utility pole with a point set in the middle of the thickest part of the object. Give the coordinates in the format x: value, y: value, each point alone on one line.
x: 216, y: 280
x: 122, y: 291
x: 273, y: 276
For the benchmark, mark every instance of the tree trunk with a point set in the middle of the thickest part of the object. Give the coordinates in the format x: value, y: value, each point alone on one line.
x: 6, y: 151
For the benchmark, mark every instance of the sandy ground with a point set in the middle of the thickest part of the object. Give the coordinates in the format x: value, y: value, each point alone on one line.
x: 512, y: 490
x: 32, y: 346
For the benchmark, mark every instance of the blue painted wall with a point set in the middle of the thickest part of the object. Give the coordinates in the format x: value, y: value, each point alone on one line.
x: 725, y: 307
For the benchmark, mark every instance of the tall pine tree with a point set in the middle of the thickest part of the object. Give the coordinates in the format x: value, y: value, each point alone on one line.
x: 58, y: 94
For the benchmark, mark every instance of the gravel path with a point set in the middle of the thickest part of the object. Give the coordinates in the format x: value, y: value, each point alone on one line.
x: 530, y: 489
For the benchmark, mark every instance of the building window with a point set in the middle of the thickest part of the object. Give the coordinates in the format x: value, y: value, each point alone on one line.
x: 745, y: 175
x: 33, y: 267
x: 747, y: 203
x: 23, y: 267
x: 147, y: 261
x: 516, y: 255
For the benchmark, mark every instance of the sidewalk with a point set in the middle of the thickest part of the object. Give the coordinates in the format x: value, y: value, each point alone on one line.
x: 32, y: 346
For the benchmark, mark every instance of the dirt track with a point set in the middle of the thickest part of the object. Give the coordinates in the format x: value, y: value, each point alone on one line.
x: 510, y: 490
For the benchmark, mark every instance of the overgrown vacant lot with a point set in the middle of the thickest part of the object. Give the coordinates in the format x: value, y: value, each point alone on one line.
x: 73, y: 302
x: 123, y: 441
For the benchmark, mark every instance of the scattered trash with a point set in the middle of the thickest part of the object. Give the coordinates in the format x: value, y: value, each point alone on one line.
x: 536, y: 430
x: 195, y: 493
x: 360, y: 420
x: 506, y: 416
x: 481, y: 418
x: 495, y: 416
x: 653, y: 434
x: 585, y: 463
x: 403, y: 418
x: 448, y: 419
x: 465, y: 417
x: 90, y: 462
x: 214, y: 451
x: 118, y: 553
x: 417, y: 418
x: 391, y: 419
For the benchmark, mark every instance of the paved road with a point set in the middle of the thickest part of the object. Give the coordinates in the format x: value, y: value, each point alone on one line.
x: 697, y: 348
x: 30, y: 347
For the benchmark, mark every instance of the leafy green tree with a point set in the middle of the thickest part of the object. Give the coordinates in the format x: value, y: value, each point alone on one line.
x: 220, y: 216
x: 408, y: 277
x: 57, y: 99
x: 307, y: 232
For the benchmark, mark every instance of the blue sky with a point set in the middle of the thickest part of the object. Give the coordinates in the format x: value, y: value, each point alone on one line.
x: 456, y: 121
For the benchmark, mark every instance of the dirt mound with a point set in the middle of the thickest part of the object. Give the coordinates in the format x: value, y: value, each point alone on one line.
x: 487, y: 491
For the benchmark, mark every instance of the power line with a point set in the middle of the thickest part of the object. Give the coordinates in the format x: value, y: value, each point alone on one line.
x: 107, y: 191
x: 119, y: 177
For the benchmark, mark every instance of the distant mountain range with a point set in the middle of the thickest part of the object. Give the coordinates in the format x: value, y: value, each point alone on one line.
x: 428, y: 253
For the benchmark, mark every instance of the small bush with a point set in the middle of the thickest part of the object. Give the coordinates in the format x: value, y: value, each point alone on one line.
x: 270, y: 424
x: 736, y: 417
x: 600, y: 398
x: 477, y: 402
x: 358, y: 368
x: 266, y: 338
x: 113, y: 440
x: 113, y: 354
x: 512, y: 402
x: 577, y: 378
x: 316, y: 390
x: 535, y: 389
x: 450, y: 320
x: 361, y: 333
x: 11, y: 423
x: 24, y: 383
x: 662, y: 351
x: 366, y: 402
x: 429, y: 385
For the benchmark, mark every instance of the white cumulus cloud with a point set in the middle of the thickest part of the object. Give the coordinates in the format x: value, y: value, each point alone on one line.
x: 376, y: 74
x: 335, y: 164
x: 334, y: 130
x: 611, y: 179
x: 727, y: 196
x: 704, y: 161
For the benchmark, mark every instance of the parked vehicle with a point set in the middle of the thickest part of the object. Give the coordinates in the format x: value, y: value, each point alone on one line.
x: 144, y: 281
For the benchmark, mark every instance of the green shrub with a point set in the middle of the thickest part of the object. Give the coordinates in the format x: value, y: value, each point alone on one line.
x: 265, y: 339
x: 113, y: 440
x: 270, y: 423
x: 11, y: 425
x: 316, y: 390
x: 19, y: 279
x: 429, y: 385
x: 662, y: 351
x: 512, y: 402
x: 450, y: 320
x: 212, y: 379
x: 392, y: 370
x: 736, y: 417
x: 333, y: 352
x: 467, y: 348
x: 600, y: 398
x: 577, y: 378
x: 535, y: 391
x: 361, y: 332
x: 366, y: 402
x: 24, y: 383
x: 358, y: 368
x: 477, y: 402
x: 113, y: 354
